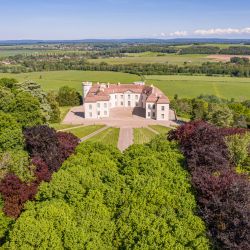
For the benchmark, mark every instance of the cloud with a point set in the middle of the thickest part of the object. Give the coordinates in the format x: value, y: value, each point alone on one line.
x: 227, y: 31
x: 175, y: 34
x: 179, y: 33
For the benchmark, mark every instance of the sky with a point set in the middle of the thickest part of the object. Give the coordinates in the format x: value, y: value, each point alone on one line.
x: 86, y: 19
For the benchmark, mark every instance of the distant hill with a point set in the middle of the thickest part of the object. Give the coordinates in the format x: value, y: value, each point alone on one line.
x: 144, y: 40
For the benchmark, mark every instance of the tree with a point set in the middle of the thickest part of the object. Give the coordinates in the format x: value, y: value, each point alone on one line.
x: 11, y: 136
x: 200, y: 109
x: 238, y: 146
x: 27, y: 110
x: 220, y: 115
x: 55, y: 110
x: 68, y: 97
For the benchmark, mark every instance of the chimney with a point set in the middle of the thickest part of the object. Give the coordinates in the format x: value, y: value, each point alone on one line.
x: 153, y: 88
x: 108, y: 85
x: 118, y: 83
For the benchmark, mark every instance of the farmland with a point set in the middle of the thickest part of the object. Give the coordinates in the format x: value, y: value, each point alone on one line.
x: 184, y: 86
x: 152, y: 57
x: 193, y: 86
x: 53, y: 80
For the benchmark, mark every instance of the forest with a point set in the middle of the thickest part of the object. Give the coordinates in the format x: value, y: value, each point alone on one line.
x: 187, y: 189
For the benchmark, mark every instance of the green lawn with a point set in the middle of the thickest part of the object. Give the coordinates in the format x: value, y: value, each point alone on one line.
x: 160, y: 129
x: 193, y: 86
x: 84, y: 131
x: 108, y: 136
x: 143, y: 135
x: 53, y: 80
x: 59, y: 126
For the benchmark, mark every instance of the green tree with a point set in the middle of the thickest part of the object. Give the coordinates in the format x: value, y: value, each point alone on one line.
x: 27, y: 110
x: 55, y: 110
x: 68, y: 96
x: 11, y: 136
x: 238, y: 146
x: 220, y: 115
x: 200, y: 109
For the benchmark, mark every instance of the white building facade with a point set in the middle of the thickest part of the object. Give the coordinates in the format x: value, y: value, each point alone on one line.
x: 99, y: 98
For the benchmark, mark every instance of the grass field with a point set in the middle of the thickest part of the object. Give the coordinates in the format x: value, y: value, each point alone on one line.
x: 109, y: 136
x: 193, y: 86
x: 150, y: 57
x: 53, y: 80
x: 160, y: 129
x: 84, y: 131
x: 143, y: 135
x: 184, y: 86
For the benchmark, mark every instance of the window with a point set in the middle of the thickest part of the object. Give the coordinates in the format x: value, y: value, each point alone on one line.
x: 149, y: 106
x: 153, y: 106
x: 162, y: 116
x: 162, y: 108
x: 98, y: 105
x: 90, y: 114
x: 129, y: 97
x: 137, y: 104
x: 149, y: 114
x: 105, y: 112
x: 129, y: 103
x: 90, y: 106
x: 98, y: 113
x: 153, y: 114
x: 115, y: 96
x: 105, y: 105
x: 121, y: 96
x: 121, y: 103
x: 136, y: 97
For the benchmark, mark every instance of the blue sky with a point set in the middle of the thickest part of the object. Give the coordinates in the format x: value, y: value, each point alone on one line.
x: 79, y: 19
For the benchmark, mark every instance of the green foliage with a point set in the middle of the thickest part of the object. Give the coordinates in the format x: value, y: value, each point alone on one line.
x: 11, y: 136
x: 55, y: 112
x: 27, y: 110
x: 238, y: 146
x: 16, y: 162
x: 36, y: 91
x: 101, y: 199
x: 7, y: 99
x: 5, y: 223
x: 68, y: 97
x: 220, y: 115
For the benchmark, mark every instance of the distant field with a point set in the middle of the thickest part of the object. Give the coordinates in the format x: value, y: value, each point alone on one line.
x: 193, y: 86
x: 149, y: 57
x: 184, y: 86
x: 109, y: 136
x: 53, y: 80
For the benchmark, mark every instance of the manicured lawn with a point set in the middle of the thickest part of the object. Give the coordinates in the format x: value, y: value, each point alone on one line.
x: 53, y: 80
x: 160, y: 129
x: 193, y: 86
x: 84, y: 131
x: 143, y: 135
x: 108, y: 136
x: 59, y: 126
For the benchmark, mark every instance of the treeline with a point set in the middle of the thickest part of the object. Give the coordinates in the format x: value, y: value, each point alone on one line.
x: 221, y: 112
x: 225, y: 69
x: 222, y: 194
x: 148, y: 48
x: 232, y: 50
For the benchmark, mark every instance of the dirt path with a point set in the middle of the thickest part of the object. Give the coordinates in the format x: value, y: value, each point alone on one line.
x: 125, y: 138
x: 94, y: 133
x: 154, y: 131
